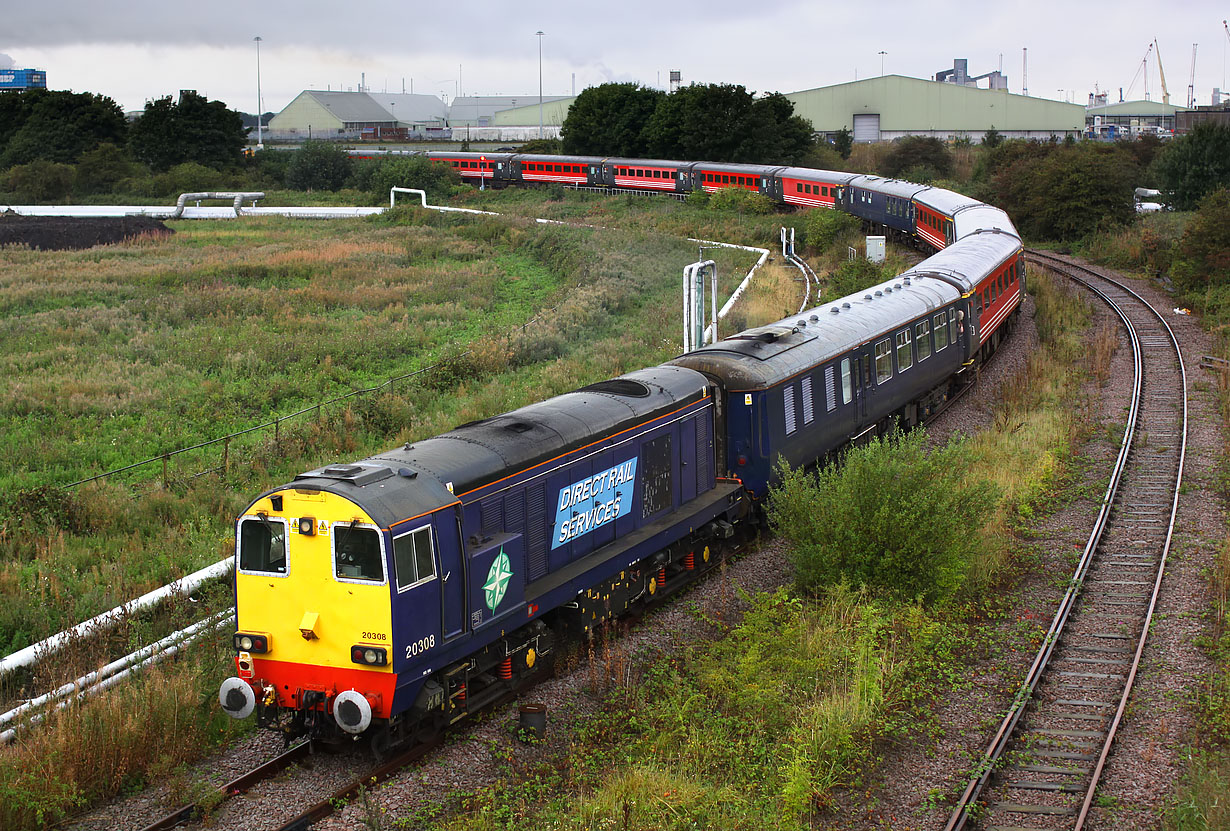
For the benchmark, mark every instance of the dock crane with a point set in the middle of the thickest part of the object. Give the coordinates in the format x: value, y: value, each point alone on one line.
x: 1162, y: 72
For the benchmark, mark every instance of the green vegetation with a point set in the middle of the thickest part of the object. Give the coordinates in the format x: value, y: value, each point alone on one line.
x: 889, y: 518
x: 192, y: 129
x: 919, y: 159
x: 116, y: 354
x: 1196, y: 164
x: 763, y: 724
x: 714, y: 122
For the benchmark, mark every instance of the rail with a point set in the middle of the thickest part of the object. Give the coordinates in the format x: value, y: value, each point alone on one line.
x: 1060, y: 644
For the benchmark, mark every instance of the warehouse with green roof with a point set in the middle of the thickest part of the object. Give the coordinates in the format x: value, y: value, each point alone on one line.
x: 891, y: 106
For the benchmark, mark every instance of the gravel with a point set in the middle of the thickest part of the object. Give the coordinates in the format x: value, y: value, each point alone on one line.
x: 917, y: 776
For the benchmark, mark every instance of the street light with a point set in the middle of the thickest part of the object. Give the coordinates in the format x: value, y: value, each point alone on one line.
x: 260, y: 144
x: 539, y: 33
x: 882, y: 54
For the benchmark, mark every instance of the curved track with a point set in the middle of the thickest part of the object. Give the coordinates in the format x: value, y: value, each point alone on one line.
x: 1043, y: 766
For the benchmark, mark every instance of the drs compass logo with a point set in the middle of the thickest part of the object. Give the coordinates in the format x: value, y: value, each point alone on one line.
x: 497, y: 580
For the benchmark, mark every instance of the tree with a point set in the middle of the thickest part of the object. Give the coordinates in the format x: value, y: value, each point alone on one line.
x: 608, y: 120
x: 193, y: 129
x: 1202, y: 256
x: 918, y: 152
x: 991, y: 138
x: 1068, y: 192
x: 56, y: 126
x: 100, y: 169
x: 318, y: 165
x: 40, y: 181
x: 843, y: 140
x: 725, y: 123
x: 1196, y: 164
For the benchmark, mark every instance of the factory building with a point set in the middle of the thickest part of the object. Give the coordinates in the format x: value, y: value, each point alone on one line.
x: 1128, y: 119
x: 892, y: 106
x: 359, y: 115
x: 18, y: 80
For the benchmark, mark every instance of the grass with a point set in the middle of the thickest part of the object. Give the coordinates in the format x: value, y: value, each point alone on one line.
x: 157, y: 345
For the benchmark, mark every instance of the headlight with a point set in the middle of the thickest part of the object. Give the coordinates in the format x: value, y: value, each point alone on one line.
x: 247, y: 642
x: 369, y: 655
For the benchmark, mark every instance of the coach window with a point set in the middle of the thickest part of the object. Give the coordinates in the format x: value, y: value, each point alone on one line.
x: 356, y: 553
x: 922, y: 336
x: 412, y: 558
x: 978, y: 302
x: 262, y: 545
x: 846, y: 388
x: 884, y: 361
x: 941, y: 331
x: 798, y: 187
x: 905, y: 353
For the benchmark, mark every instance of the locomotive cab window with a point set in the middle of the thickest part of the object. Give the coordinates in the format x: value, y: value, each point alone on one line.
x: 412, y: 558
x: 356, y: 553
x: 262, y: 545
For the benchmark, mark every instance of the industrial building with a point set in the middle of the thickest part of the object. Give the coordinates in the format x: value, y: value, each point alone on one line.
x: 381, y: 115
x: 892, y: 106
x: 1219, y: 113
x: 17, y: 80
x: 355, y: 115
x: 1128, y: 119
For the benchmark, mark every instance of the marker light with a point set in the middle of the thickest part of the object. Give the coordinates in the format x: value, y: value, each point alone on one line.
x: 307, y: 526
x: 246, y: 642
x: 369, y: 655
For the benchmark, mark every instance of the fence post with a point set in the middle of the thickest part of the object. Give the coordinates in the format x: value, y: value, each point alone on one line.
x: 277, y: 422
x: 226, y: 456
x: 165, y: 456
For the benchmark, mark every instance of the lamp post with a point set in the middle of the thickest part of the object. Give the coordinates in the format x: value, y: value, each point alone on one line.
x: 882, y: 54
x: 539, y: 33
x: 260, y: 144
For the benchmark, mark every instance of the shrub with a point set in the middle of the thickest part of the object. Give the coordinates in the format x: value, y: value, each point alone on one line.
x: 99, y: 170
x: 378, y: 175
x: 913, y: 152
x: 1202, y: 257
x: 188, y: 177
x: 894, y: 517
x: 822, y: 227
x: 40, y: 181
x: 741, y: 201
x: 318, y: 165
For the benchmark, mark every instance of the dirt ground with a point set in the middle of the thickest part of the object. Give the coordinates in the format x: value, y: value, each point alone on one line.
x: 51, y: 233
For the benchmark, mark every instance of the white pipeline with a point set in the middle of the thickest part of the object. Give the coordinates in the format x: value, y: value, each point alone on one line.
x: 185, y: 585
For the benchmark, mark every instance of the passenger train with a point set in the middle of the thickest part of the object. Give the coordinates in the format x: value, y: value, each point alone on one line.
x: 393, y: 595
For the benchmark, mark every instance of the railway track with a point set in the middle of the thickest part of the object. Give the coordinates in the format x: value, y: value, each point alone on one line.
x: 1041, y: 770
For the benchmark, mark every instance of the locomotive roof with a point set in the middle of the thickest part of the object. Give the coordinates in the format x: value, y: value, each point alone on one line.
x: 424, y: 476
x: 767, y: 355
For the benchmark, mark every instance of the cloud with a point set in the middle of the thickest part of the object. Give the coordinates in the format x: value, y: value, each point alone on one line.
x: 7, y: 62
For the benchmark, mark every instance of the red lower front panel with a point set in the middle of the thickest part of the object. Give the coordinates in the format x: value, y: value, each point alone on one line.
x: 288, y: 679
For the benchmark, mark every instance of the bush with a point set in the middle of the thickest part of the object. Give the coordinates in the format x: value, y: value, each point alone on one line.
x: 741, y: 201
x: 894, y: 517
x: 1202, y: 257
x: 189, y: 177
x: 1196, y: 164
x: 917, y: 152
x: 378, y: 175
x: 40, y: 181
x: 318, y: 165
x: 822, y: 227
x: 100, y: 169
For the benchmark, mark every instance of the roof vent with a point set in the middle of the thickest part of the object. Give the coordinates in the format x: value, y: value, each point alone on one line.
x: 833, y: 310
x: 802, y: 324
x: 407, y: 473
x: 342, y: 470
x: 814, y: 318
x: 887, y: 290
x: 845, y: 305
x: 907, y: 281
x: 519, y: 426
x: 896, y: 285
x: 880, y: 293
x: 868, y: 296
x: 619, y: 386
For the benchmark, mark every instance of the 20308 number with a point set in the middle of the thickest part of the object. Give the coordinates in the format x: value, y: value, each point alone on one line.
x: 420, y: 646
x: 375, y: 636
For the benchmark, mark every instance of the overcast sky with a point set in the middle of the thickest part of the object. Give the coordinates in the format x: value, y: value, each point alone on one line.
x: 135, y: 51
